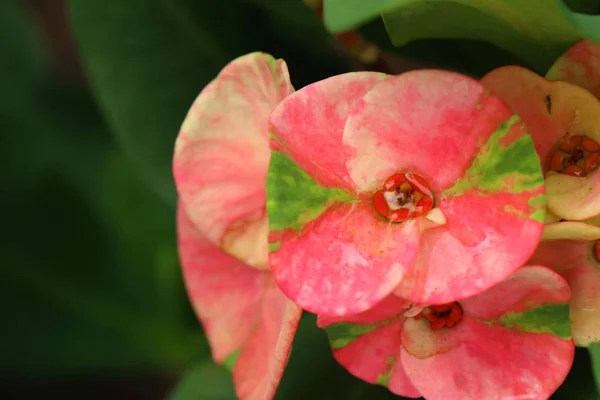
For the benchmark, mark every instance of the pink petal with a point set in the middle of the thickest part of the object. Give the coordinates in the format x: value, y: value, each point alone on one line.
x: 492, y: 363
x: 427, y: 122
x: 525, y: 289
x: 580, y: 65
x: 345, y: 261
x: 575, y: 262
x: 222, y: 154
x: 371, y: 354
x: 225, y: 293
x: 241, y: 309
x: 483, y: 241
x: 480, y: 358
x: 308, y: 125
x: 261, y: 363
x: 551, y: 110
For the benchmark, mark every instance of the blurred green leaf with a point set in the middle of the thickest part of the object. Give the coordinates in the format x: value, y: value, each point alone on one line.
x: 594, y: 350
x: 148, y: 60
x: 206, y: 381
x: 537, y: 31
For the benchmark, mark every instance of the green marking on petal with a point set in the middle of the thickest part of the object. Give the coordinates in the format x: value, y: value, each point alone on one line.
x: 340, y: 335
x: 538, y: 205
x: 384, y: 378
x: 274, y: 246
x: 231, y: 359
x: 512, y: 168
x: 293, y: 197
x: 548, y: 318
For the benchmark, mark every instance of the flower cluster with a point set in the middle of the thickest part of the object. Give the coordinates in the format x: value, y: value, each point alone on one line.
x: 442, y: 228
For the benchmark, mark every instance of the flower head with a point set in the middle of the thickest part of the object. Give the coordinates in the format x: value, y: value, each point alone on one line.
x: 562, y: 113
x: 220, y: 164
x: 424, y: 184
x: 511, y: 341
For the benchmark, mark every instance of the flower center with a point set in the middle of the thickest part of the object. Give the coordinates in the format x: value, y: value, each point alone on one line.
x: 440, y: 316
x: 576, y: 156
x: 404, y: 196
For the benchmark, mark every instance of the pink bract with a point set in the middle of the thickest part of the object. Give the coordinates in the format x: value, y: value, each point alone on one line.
x: 336, y: 143
x: 220, y: 164
x: 245, y: 316
x: 222, y: 154
x: 505, y: 346
x: 555, y: 110
x: 576, y: 262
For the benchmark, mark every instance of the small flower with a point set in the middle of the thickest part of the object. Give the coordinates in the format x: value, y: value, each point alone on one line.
x: 422, y: 183
x: 509, y: 342
x: 220, y: 164
x: 562, y: 113
x: 578, y: 262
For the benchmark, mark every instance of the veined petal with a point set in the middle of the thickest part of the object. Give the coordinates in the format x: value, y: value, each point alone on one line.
x: 261, y: 363
x: 225, y: 293
x: 309, y: 124
x: 246, y: 318
x: 483, y: 356
x: 222, y: 154
x: 574, y: 198
x: 428, y: 122
x: 345, y: 261
x: 579, y: 65
x: 368, y: 345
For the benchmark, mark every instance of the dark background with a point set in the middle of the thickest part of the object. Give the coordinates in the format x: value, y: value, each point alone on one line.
x: 92, y: 94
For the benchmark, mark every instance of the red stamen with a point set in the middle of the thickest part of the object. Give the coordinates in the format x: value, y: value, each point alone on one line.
x: 442, y: 315
x: 571, y: 143
x: 574, y: 170
x: 380, y: 203
x: 557, y: 160
x: 591, y: 162
x: 394, y: 181
x: 589, y: 145
x: 404, y: 196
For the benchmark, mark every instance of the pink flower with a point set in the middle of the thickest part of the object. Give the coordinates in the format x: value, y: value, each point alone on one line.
x: 562, y: 113
x: 422, y: 184
x: 220, y: 164
x: 577, y: 262
x: 504, y: 343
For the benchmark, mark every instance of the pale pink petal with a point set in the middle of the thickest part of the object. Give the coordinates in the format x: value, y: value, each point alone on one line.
x: 346, y: 260
x: 261, y: 363
x: 374, y: 358
x: 580, y: 65
x: 551, y: 110
x: 225, y: 293
x: 388, y: 308
x: 492, y: 362
x: 574, y: 198
x: 484, y: 240
x: 527, y: 288
x: 308, y: 125
x: 427, y: 122
x: 575, y: 261
x: 222, y: 155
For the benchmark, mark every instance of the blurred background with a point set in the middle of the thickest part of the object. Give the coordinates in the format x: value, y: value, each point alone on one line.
x: 92, y: 94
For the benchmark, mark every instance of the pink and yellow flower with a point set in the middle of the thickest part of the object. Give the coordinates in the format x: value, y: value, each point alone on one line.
x: 504, y: 343
x: 423, y: 184
x: 220, y: 165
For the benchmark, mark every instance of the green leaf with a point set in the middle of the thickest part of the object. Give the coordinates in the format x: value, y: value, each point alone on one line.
x: 205, y: 381
x: 148, y: 60
x: 537, y: 31
x: 293, y: 197
x: 343, y: 15
x: 594, y: 350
